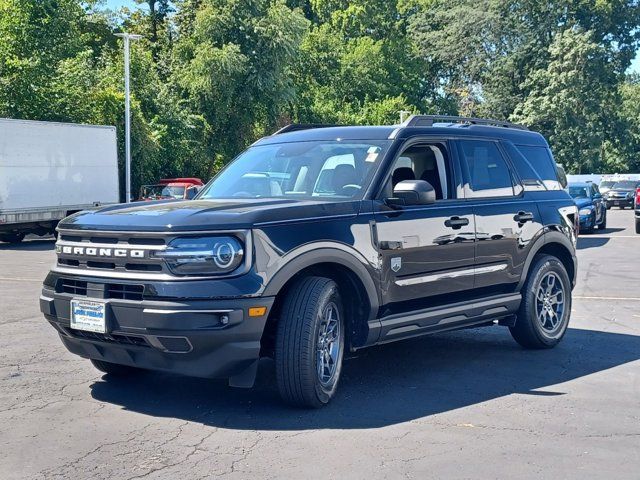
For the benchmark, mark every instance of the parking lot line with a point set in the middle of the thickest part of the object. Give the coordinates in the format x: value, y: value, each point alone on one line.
x: 6, y: 279
x: 609, y: 236
x: 579, y: 297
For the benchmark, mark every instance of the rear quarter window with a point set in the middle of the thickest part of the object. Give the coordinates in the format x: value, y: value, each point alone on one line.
x: 538, y: 163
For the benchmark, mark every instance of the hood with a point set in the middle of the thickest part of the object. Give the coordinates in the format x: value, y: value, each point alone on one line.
x: 583, y: 202
x: 192, y: 215
x: 622, y: 190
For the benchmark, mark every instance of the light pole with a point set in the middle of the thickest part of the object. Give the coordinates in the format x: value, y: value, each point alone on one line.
x: 127, y: 113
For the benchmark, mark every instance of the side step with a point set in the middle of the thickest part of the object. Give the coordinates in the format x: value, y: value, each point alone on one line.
x: 439, y: 319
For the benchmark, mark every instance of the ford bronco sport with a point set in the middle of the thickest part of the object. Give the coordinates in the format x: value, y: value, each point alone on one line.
x: 319, y: 241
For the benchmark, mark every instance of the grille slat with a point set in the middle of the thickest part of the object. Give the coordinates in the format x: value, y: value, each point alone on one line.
x: 118, y: 291
x: 111, y: 338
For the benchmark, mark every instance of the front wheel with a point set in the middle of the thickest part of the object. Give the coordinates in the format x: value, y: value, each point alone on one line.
x: 310, y: 343
x: 546, y: 305
x: 637, y: 225
x: 603, y: 225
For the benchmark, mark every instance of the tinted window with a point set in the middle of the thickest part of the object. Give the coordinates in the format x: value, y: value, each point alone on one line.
x: 539, y: 159
x: 486, y: 170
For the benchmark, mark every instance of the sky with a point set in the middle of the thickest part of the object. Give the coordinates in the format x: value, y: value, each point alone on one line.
x: 635, y: 66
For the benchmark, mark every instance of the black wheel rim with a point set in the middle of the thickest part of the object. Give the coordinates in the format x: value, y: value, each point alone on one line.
x: 329, y: 344
x: 550, y: 303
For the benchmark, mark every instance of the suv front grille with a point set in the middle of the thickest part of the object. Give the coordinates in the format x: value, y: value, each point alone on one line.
x: 119, y: 291
x: 125, y: 292
x: 111, y: 252
x: 74, y: 287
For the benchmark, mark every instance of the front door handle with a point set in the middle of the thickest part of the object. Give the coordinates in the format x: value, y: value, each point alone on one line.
x: 456, y: 222
x: 523, y: 217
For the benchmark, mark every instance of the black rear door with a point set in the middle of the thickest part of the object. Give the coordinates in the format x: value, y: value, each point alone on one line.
x: 506, y: 220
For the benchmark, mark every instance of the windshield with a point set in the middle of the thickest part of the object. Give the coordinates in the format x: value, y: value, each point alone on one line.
x: 578, y: 191
x: 304, y: 170
x: 606, y: 184
x: 626, y: 185
x: 156, y: 192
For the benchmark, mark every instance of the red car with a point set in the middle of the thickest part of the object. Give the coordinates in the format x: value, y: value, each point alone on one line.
x: 172, y: 188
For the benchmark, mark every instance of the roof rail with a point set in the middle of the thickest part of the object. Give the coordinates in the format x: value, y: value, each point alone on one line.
x: 294, y: 127
x: 429, y: 120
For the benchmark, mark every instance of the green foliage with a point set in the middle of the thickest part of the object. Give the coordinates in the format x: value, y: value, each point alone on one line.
x: 211, y: 76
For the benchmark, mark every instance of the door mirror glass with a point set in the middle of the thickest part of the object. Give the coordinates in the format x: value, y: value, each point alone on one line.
x: 413, y: 192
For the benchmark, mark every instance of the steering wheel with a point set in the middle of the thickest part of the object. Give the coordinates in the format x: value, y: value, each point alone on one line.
x: 243, y: 195
x: 351, y: 189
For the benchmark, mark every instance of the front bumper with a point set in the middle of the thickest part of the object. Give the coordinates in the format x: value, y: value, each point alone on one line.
x: 619, y: 202
x: 587, y: 222
x: 212, y: 338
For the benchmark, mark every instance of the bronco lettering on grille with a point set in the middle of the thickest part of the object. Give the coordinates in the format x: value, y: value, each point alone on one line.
x: 100, y: 252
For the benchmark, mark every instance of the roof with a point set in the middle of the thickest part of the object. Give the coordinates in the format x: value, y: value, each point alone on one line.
x: 390, y: 132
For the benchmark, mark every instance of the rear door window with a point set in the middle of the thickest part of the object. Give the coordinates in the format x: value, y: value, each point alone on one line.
x: 486, y: 170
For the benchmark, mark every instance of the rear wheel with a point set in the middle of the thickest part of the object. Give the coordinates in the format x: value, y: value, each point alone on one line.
x: 310, y: 343
x: 12, y: 237
x: 637, y: 225
x: 546, y: 305
x: 114, y: 369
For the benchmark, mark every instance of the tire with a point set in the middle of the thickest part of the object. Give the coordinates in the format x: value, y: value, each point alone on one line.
x: 309, y: 307
x: 114, y: 369
x: 603, y: 225
x: 12, y: 237
x: 637, y: 225
x: 534, y: 327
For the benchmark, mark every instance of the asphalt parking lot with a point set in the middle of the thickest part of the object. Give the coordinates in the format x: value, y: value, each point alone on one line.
x: 469, y: 404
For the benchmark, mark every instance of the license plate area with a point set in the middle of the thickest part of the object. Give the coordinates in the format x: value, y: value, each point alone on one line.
x: 89, y: 316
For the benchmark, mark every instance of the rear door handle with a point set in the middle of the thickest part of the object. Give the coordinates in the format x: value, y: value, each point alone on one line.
x: 523, y: 217
x: 456, y: 222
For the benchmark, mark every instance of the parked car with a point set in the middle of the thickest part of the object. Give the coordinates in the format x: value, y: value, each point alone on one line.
x: 605, y: 186
x: 622, y: 194
x: 317, y: 242
x: 172, y: 189
x: 591, y: 205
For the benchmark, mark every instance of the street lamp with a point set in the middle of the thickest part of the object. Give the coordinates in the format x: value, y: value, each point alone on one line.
x: 127, y: 113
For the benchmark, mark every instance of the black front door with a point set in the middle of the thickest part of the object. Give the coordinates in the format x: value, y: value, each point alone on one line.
x: 426, y: 252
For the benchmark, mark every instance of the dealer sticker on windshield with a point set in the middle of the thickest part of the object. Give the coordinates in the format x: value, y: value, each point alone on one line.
x: 89, y: 316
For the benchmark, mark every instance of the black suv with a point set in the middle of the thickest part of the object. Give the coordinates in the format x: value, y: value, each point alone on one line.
x: 319, y: 241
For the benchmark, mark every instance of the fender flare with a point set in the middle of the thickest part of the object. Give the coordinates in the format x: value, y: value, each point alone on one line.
x: 325, y: 255
x: 548, y: 237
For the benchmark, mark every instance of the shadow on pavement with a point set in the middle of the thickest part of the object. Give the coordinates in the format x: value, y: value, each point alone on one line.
x: 385, y: 385
x: 587, y: 242
x: 40, y: 244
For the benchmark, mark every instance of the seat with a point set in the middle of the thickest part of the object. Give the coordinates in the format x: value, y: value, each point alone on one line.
x: 433, y: 177
x: 401, y: 174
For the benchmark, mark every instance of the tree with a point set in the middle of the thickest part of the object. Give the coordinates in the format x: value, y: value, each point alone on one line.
x: 573, y: 101
x: 234, y: 69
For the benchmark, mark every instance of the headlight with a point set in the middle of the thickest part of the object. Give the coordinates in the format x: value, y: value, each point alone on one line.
x: 585, y: 211
x: 202, y: 255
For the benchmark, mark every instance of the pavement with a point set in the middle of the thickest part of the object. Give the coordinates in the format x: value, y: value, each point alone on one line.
x: 467, y: 404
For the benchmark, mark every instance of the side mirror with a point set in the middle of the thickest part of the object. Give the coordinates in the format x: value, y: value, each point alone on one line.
x: 597, y: 196
x: 413, y: 192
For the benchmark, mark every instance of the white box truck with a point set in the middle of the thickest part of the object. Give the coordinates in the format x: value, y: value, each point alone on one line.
x: 50, y: 170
